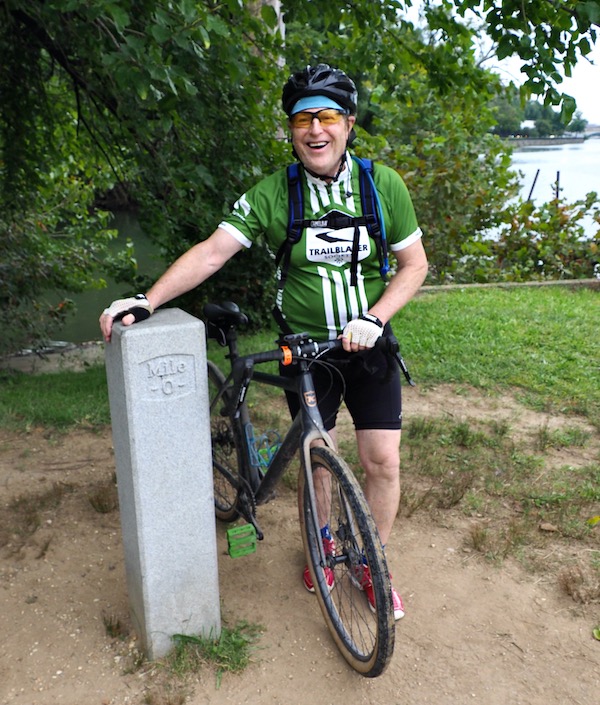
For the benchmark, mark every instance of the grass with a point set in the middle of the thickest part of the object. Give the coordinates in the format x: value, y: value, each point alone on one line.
x: 472, y: 467
x: 23, y: 515
x: 540, y: 342
x: 58, y: 401
x: 231, y: 652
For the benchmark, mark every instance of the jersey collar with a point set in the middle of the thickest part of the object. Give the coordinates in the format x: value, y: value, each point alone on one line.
x: 343, y: 179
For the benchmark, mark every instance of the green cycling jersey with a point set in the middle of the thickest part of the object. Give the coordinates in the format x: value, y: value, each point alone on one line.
x: 318, y: 296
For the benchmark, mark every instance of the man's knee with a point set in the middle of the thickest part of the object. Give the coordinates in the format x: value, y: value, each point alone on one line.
x: 379, y: 452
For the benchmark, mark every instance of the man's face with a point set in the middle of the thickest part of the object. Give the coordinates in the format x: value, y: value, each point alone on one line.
x: 320, y: 147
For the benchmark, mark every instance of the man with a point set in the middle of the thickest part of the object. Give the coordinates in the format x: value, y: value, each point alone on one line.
x: 332, y: 284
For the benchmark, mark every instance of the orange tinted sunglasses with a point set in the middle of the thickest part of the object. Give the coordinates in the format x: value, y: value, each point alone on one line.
x: 326, y: 116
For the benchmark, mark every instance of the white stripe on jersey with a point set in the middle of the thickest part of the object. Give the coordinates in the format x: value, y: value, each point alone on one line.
x: 319, y: 196
x: 341, y: 191
x: 358, y: 305
x: 328, y: 303
x: 335, y: 287
x: 340, y: 299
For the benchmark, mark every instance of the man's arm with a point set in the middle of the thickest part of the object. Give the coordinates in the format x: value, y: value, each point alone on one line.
x: 411, y: 273
x: 191, y: 269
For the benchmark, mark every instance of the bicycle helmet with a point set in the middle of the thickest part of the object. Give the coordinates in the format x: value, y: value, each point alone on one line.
x: 320, y: 80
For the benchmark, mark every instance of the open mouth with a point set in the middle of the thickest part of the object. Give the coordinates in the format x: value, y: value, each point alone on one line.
x: 317, y: 145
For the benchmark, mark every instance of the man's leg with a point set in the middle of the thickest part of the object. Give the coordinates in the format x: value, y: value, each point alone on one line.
x: 379, y: 453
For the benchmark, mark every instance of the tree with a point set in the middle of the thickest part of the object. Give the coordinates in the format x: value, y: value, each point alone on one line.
x: 578, y: 124
x: 151, y: 98
x: 458, y: 173
x: 549, y: 37
x: 508, y: 112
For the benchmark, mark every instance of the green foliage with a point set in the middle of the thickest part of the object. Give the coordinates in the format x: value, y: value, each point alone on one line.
x: 545, y: 242
x: 578, y: 124
x: 510, y: 111
x: 533, y: 243
x: 231, y: 652
x: 548, y: 37
x: 458, y: 174
x: 149, y: 94
x: 52, y: 237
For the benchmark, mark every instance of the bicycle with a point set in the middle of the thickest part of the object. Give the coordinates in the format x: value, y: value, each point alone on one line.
x: 246, y: 471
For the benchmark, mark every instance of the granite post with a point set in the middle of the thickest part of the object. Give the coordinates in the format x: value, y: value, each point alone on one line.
x: 159, y: 407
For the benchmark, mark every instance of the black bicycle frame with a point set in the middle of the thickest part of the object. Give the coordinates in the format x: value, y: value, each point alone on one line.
x: 306, y: 427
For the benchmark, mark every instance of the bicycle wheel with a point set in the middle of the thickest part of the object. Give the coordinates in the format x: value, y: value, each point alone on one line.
x: 364, y: 636
x: 226, y: 482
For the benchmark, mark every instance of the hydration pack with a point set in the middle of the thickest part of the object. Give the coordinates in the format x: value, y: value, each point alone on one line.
x: 372, y: 218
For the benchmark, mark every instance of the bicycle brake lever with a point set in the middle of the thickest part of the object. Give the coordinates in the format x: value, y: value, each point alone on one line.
x: 392, y: 348
x: 404, y: 368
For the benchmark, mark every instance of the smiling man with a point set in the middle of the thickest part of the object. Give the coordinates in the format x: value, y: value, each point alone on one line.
x: 333, y: 280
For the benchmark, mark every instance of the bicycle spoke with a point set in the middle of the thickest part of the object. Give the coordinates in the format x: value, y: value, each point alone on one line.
x: 226, y: 482
x: 364, y: 634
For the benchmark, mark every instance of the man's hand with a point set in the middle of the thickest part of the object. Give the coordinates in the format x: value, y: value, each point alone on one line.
x: 362, y: 333
x: 130, y: 310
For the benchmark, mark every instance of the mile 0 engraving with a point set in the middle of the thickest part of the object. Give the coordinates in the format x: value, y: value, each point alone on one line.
x: 168, y: 377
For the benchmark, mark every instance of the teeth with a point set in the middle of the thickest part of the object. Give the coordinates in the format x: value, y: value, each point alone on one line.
x: 317, y: 144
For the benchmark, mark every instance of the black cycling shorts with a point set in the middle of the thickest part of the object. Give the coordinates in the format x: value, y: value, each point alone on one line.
x: 367, y: 381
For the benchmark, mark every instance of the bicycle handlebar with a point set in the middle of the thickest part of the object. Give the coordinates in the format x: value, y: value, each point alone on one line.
x: 226, y: 316
x: 298, y: 347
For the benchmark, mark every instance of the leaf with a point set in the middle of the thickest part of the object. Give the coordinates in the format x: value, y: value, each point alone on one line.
x: 590, y: 11
x: 596, y: 634
x: 505, y: 47
x: 593, y: 521
x: 567, y: 109
x: 119, y: 16
x: 269, y: 16
x: 160, y: 33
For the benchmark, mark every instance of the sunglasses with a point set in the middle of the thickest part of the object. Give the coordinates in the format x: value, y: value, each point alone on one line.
x: 327, y: 116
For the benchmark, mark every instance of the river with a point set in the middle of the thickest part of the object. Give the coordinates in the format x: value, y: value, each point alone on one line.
x: 83, y: 325
x: 578, y: 166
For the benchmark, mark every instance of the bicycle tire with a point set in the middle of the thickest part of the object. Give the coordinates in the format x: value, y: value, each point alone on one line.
x: 364, y: 638
x: 225, y: 453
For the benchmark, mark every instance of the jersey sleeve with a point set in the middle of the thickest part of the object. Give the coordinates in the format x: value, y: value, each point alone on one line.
x: 261, y: 211
x: 402, y: 227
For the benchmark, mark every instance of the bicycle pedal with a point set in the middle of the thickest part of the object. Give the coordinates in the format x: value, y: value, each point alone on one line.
x: 241, y: 540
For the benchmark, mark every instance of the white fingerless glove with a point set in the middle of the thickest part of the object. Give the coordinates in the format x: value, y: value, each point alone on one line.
x: 137, y: 305
x: 364, y: 330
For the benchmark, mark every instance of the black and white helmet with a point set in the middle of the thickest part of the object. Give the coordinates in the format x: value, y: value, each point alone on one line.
x: 320, y: 80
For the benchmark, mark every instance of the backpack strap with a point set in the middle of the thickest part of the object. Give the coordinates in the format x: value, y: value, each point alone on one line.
x: 372, y: 212
x: 295, y: 221
x: 294, y: 233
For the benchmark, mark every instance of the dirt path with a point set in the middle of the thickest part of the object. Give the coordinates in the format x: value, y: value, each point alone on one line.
x: 474, y: 633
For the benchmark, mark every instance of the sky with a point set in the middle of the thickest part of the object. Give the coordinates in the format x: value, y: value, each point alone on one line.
x: 584, y: 86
